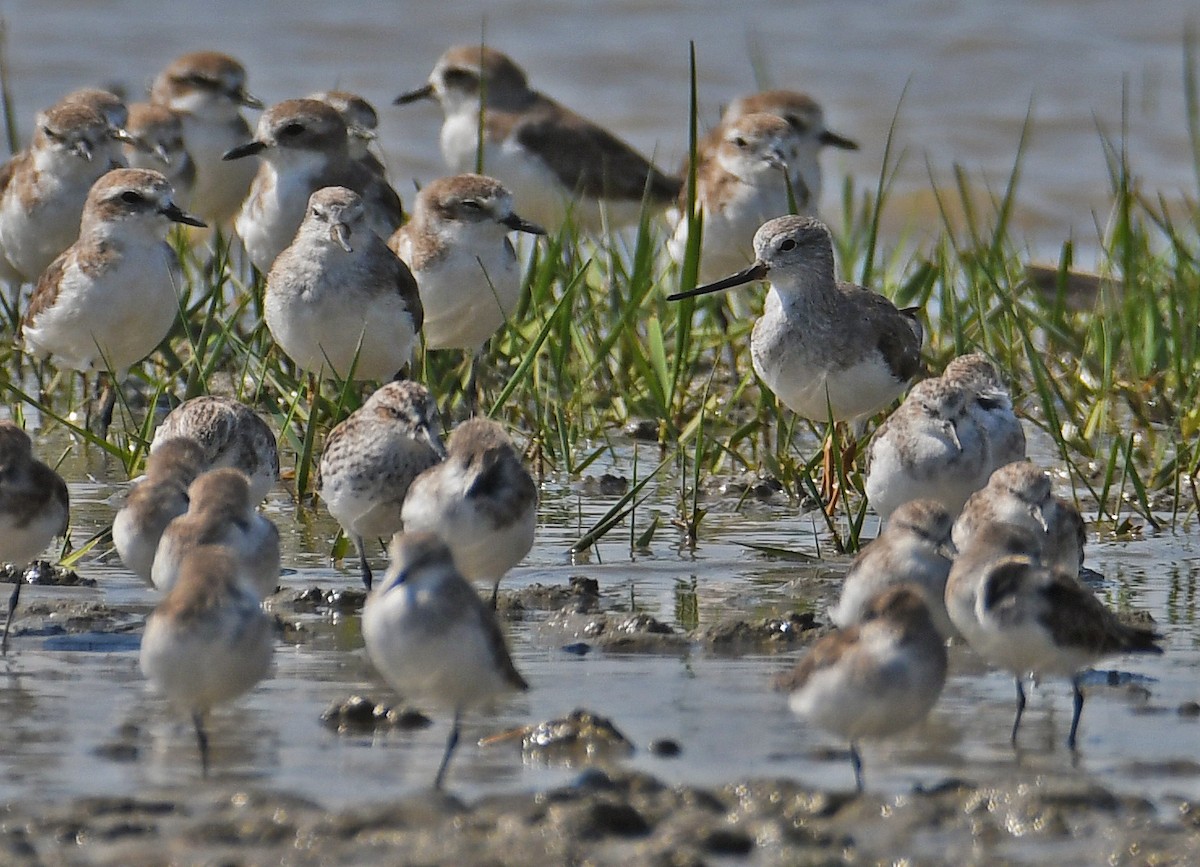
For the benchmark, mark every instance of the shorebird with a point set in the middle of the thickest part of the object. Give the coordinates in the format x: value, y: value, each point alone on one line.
x: 915, y: 549
x: 481, y: 501
x: 931, y: 447
x: 157, y: 500
x: 806, y: 118
x: 1027, y: 618
x: 370, y: 460
x: 361, y: 121
x: 208, y: 641
x: 34, y: 507
x: 158, y: 144
x: 875, y: 678
x: 338, y: 299
x: 828, y: 350
x: 740, y: 184
x: 303, y: 147
x: 208, y: 91
x: 221, y: 512
x: 432, y: 639
x: 992, y: 409
x: 43, y: 189
x: 111, y: 298
x: 554, y: 161
x: 230, y: 434
x: 1020, y: 493
x: 457, y: 246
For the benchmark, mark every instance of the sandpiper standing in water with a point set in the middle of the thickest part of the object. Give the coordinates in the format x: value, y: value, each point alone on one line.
x: 370, y: 460
x: 34, y: 507
x: 554, y: 161
x: 481, y: 500
x: 828, y: 350
x: 432, y: 638
x: 875, y: 678
x: 230, y: 434
x: 209, y: 640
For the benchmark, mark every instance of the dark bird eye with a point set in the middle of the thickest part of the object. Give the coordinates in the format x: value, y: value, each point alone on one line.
x: 472, y: 204
x: 787, y: 245
x: 740, y: 142
x: 292, y: 129
x: 132, y: 198
x: 461, y: 79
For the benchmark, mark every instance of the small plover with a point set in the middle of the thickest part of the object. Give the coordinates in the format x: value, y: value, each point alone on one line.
x: 554, y: 161
x: 303, y: 147
x: 740, y: 184
x: 481, y: 500
x: 158, y: 133
x: 807, y: 119
x: 915, y: 549
x: 209, y: 640
x: 931, y: 447
x: 34, y: 507
x: 370, y: 460
x: 432, y: 639
x: 45, y: 187
x: 992, y: 408
x: 1026, y: 618
x: 361, y: 121
x: 873, y: 679
x: 221, y: 512
x: 230, y: 434
x: 208, y: 90
x: 456, y: 245
x: 111, y: 298
x: 158, y: 499
x: 1020, y: 493
x: 338, y: 299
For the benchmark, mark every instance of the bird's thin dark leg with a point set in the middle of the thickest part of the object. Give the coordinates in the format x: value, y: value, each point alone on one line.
x: 1078, y: 710
x: 856, y: 762
x: 201, y: 742
x: 495, y: 592
x: 12, y: 608
x: 108, y: 403
x: 367, y: 578
x: 1020, y: 710
x: 451, y: 743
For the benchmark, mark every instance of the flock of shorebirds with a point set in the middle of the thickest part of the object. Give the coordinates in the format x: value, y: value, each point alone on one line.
x: 975, y: 547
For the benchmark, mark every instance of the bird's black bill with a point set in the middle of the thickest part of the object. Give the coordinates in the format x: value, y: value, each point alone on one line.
x: 757, y: 271
x: 838, y: 141
x: 247, y: 99
x: 417, y: 95
x: 175, y: 213
x: 517, y: 224
x: 248, y: 149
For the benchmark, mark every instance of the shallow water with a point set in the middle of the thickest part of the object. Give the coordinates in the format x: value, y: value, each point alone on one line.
x: 76, y: 718
x: 972, y: 72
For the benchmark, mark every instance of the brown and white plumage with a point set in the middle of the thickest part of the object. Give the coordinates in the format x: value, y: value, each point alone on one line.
x: 430, y: 636
x: 481, y: 501
x: 34, y: 507
x: 553, y: 160
x: 221, y: 512
x: 361, y: 120
x: 371, y: 459
x: 338, y: 299
x: 457, y: 247
x: 157, y: 500
x: 230, y: 434
x: 303, y: 147
x: 208, y: 91
x: 157, y: 143
x: 875, y: 678
x: 208, y: 641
